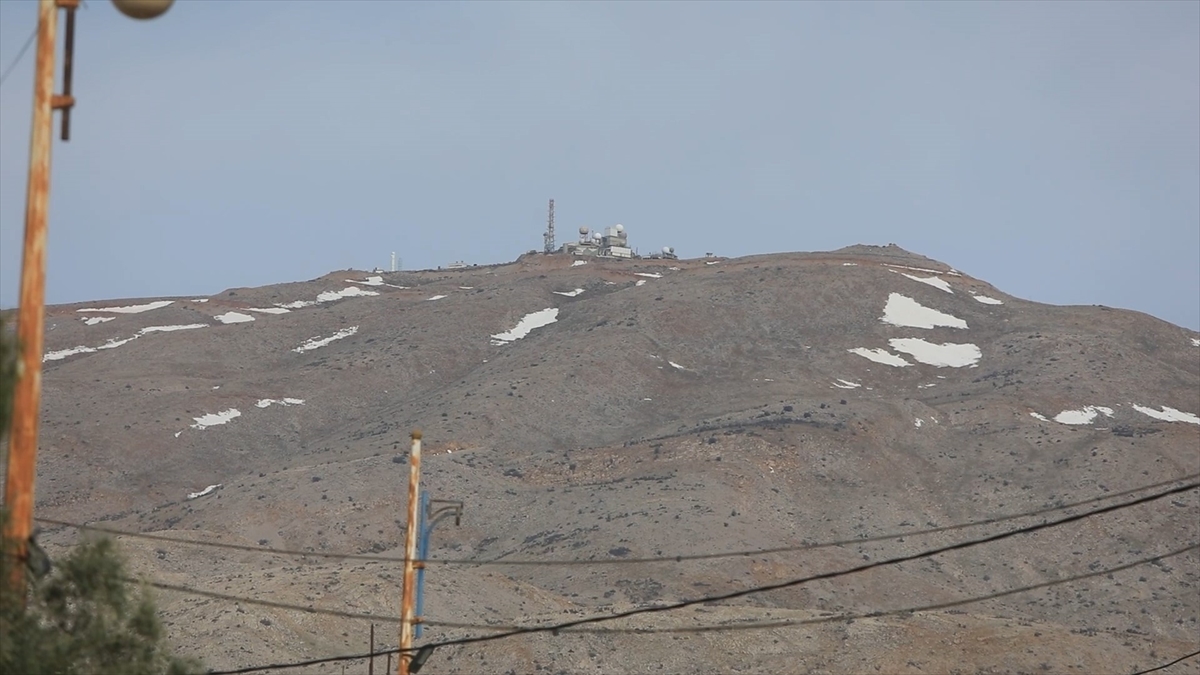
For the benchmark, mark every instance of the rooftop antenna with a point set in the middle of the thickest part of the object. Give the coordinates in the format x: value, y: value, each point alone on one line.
x: 393, y: 261
x: 549, y: 236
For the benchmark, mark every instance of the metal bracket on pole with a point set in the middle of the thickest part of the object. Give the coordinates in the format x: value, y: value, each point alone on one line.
x: 428, y: 519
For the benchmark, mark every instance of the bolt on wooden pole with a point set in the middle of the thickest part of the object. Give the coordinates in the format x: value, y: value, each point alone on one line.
x: 22, y: 442
x: 409, y: 591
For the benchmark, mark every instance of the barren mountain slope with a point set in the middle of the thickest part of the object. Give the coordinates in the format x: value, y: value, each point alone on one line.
x: 671, y: 408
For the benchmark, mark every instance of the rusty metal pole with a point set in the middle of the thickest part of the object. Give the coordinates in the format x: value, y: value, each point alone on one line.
x: 22, y: 442
x: 408, y: 601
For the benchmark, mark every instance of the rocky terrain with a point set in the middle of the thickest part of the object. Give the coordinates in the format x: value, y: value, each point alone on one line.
x: 621, y: 410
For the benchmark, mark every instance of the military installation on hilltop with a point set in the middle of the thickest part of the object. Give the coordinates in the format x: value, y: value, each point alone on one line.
x: 613, y: 242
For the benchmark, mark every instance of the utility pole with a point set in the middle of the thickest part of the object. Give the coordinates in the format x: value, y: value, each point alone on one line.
x: 31, y: 314
x: 409, y: 590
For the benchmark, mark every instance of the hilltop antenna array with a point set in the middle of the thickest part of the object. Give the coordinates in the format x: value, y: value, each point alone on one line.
x: 549, y: 236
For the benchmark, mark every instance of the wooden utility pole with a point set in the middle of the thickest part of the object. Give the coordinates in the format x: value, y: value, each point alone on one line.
x: 31, y: 316
x: 371, y: 658
x: 408, y: 600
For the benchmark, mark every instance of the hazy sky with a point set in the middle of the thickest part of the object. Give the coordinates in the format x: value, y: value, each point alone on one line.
x: 1051, y: 148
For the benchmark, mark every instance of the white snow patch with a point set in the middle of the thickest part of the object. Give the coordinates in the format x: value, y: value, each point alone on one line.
x: 270, y: 310
x: 233, y: 317
x: 371, y: 281
x: 1038, y: 416
x: 640, y: 282
x: 200, y: 300
x: 650, y: 275
x: 569, y: 294
x: 538, y: 319
x: 298, y: 304
x: 216, y: 386
x: 347, y: 292
x: 177, y: 433
x: 986, y: 300
x: 205, y: 491
x: 466, y: 288
x: 1082, y: 416
x: 1196, y: 342
x: 577, y: 263
x: 947, y: 354
x: 904, y: 311
x: 846, y: 384
x: 915, y: 269
x: 936, y: 282
x: 673, y: 269
x: 316, y: 342
x: 676, y: 365
x: 93, y: 320
x: 116, y: 342
x: 266, y: 402
x: 436, y: 297
x: 64, y: 353
x: 647, y: 399
x: 926, y: 386
x: 880, y: 356
x: 711, y: 262
x: 1168, y: 414
x: 213, y: 419
x: 130, y: 309
x: 849, y: 264
x: 171, y: 329
x: 917, y: 422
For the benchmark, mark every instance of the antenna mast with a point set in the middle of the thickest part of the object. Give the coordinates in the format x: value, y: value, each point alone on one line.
x: 549, y: 236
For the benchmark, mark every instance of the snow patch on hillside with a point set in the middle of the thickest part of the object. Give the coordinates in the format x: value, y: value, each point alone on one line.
x: 436, y: 297
x: 233, y: 317
x: 846, y: 384
x: 171, y: 329
x: 215, y: 419
x: 1168, y: 414
x: 1196, y: 342
x: 880, y: 356
x: 129, y: 309
x: 904, y: 311
x: 269, y: 310
x: 318, y: 342
x: 577, y: 263
x: 1038, y: 416
x: 205, y: 491
x: 1084, y: 415
x: 948, y: 354
x: 93, y: 320
x: 528, y: 323
x: 569, y: 294
x: 986, y: 300
x: 266, y: 402
x: 936, y: 282
x: 640, y: 282
x: 650, y: 275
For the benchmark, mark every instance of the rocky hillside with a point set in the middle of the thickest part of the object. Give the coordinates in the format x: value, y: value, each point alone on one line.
x: 631, y: 409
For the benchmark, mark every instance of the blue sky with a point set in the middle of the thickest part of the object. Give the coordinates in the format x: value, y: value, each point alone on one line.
x: 1052, y: 149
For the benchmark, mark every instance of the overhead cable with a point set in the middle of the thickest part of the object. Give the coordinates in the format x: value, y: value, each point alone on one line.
x: 613, y: 561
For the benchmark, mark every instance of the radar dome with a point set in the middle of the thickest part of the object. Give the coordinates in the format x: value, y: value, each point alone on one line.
x: 620, y: 227
x: 596, y: 236
x: 583, y: 230
x: 666, y: 249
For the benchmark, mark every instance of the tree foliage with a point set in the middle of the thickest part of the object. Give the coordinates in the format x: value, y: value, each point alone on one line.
x: 83, y: 617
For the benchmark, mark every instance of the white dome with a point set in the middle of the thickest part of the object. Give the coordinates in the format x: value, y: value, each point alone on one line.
x: 620, y: 227
x: 583, y: 230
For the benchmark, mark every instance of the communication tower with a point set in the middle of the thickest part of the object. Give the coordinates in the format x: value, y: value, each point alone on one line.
x: 549, y: 236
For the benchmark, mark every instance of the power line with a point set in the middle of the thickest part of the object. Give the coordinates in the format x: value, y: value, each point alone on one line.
x: 20, y: 54
x: 615, y: 561
x: 1164, y: 666
x: 555, y: 628
x: 768, y: 625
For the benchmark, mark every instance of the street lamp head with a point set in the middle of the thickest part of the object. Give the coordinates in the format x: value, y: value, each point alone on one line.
x: 142, y: 9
